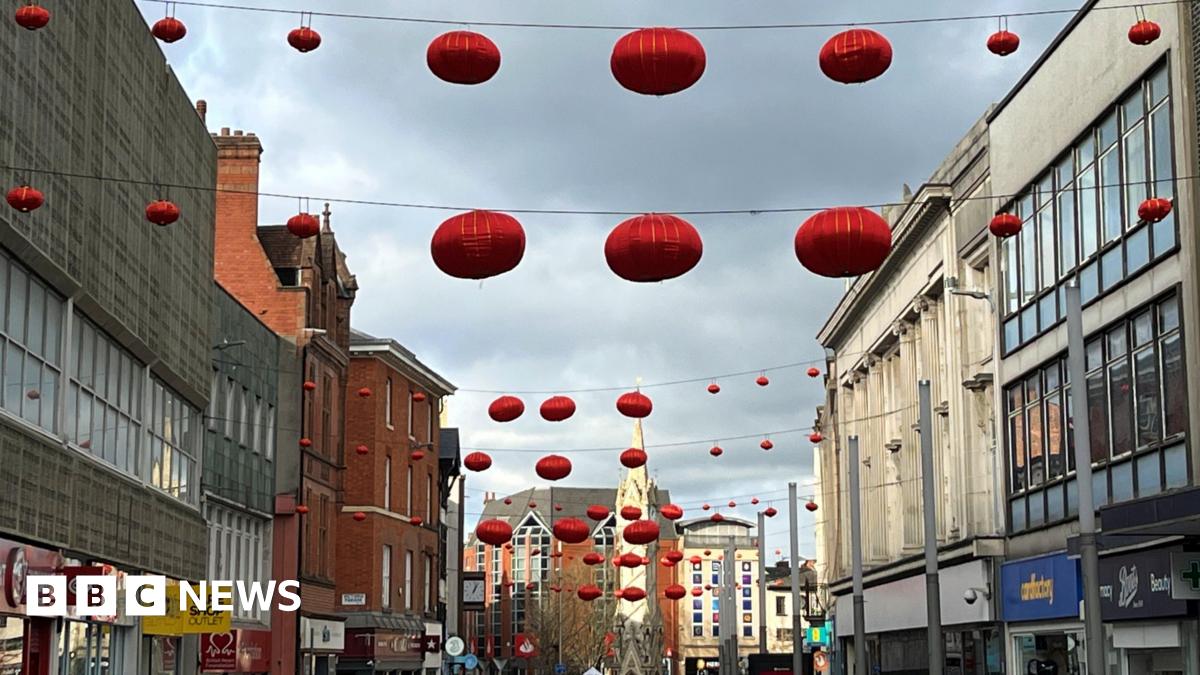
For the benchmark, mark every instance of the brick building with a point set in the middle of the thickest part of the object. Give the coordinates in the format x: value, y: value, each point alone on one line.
x: 388, y: 563
x: 303, y: 290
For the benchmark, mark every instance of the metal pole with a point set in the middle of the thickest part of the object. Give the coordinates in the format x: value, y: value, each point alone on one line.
x: 1089, y: 558
x: 933, y: 596
x: 729, y: 612
x: 762, y: 584
x: 856, y: 564
x: 794, y: 574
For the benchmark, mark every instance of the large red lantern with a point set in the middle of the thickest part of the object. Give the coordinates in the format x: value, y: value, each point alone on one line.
x: 478, y: 244
x: 1144, y: 32
x: 359, y: 516
x: 631, y: 512
x: 553, y: 467
x: 640, y: 532
x: 653, y: 247
x: 674, y: 556
x: 25, y: 199
x: 1154, y: 209
x: 634, y: 404
x: 304, y: 39
x: 814, y: 372
x: 633, y: 458
x: 589, y: 592
x: 571, y: 530
x: 169, y: 29
x: 477, y: 461
x: 714, y: 388
x: 770, y: 512
x: 419, y: 397
x: 304, y: 225
x: 506, y: 409
x: 32, y: 17
x: 674, y: 592
x: 671, y: 511
x: 162, y: 212
x: 557, y: 408
x: 717, y: 517
x: 633, y: 594
x: 811, y: 506
x: 762, y: 381
x: 846, y: 241
x: 592, y: 558
x: 657, y: 61
x: 856, y: 55
x: 766, y: 444
x: 463, y: 57
x: 1005, y: 225
x: 631, y: 560
x: 1003, y: 43
x: 815, y: 437
x: 493, y: 531
x: 716, y: 451
x: 597, y: 512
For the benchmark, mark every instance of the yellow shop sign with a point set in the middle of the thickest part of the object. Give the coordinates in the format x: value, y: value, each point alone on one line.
x: 189, y: 621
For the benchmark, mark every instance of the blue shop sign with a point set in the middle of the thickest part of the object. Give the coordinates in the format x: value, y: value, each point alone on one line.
x: 1046, y: 587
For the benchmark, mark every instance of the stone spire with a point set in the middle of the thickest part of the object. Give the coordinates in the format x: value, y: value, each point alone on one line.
x: 638, y: 624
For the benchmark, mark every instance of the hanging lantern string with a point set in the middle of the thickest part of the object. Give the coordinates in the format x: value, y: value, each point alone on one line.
x: 707, y: 27
x: 998, y: 199
x: 762, y: 496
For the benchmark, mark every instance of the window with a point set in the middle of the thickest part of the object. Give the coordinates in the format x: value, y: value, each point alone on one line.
x: 1080, y: 216
x: 214, y: 396
x: 243, y: 420
x: 256, y: 426
x: 748, y: 630
x: 429, y: 589
x: 780, y: 605
x: 429, y: 412
x: 429, y: 500
x: 410, y: 415
x: 408, y: 495
x: 174, y: 440
x: 230, y: 401
x: 385, y: 585
x: 387, y: 483
x: 408, y: 580
x: 104, y: 399
x: 323, y: 538
x: 387, y: 403
x: 327, y: 430
x: 269, y: 432
x: 236, y: 543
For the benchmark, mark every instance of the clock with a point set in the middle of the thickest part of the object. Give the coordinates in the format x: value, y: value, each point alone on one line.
x: 455, y: 646
x: 473, y: 591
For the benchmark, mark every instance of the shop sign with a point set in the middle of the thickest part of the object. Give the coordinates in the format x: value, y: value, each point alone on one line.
x: 320, y: 635
x: 524, y: 647
x: 193, y: 621
x: 218, y: 652
x: 17, y: 563
x: 1185, y: 575
x: 1046, y: 587
x: 1138, y: 586
x: 354, y: 599
x: 237, y: 651
x: 431, y: 644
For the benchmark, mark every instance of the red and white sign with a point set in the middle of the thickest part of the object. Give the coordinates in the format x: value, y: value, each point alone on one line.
x: 238, y: 651
x: 523, y: 646
x: 218, y: 652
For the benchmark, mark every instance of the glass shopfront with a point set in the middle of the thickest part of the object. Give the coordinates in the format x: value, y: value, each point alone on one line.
x: 88, y: 649
x: 12, y: 642
x: 1048, y: 653
x: 1040, y: 604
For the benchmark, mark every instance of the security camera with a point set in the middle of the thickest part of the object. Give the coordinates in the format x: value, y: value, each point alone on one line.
x: 972, y: 595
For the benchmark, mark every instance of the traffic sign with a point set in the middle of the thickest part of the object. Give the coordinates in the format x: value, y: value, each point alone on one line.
x: 820, y: 662
x: 500, y: 663
x: 817, y: 635
x: 470, y: 662
x: 455, y: 646
x: 560, y: 668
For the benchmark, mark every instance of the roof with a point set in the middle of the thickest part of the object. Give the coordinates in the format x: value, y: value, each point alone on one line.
x: 574, y: 502
x: 283, y: 248
x: 448, y: 445
x: 362, y: 343
x: 695, y: 523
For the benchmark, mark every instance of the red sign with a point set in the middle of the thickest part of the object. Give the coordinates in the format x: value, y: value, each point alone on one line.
x: 218, y: 652
x: 524, y: 647
x: 254, y: 651
x: 18, y: 561
x: 432, y: 644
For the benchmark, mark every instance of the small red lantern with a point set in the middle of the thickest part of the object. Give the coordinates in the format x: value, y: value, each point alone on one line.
x: 310, y: 386
x: 506, y: 409
x: 418, y: 397
x: 631, y: 560
x: 856, y: 55
x: 843, y: 242
x: 32, y: 17
x: 25, y: 199
x: 533, y: 505
x: 364, y: 392
x: 754, y: 500
x: 1144, y: 32
x: 508, y: 500
x: 657, y: 61
x: 304, y: 39
x: 633, y: 458
x: 169, y: 29
x: 304, y: 225
x: 716, y: 451
x: 770, y: 512
x: 301, y: 509
x: 634, y: 404
x: 478, y: 244
x: 631, y: 512
x: 558, y: 507
x: 674, y: 592
x: 477, y: 461
x: 705, y: 508
x: 557, y: 408
x: 571, y: 531
x: 1154, y: 209
x: 766, y: 444
x: 305, y: 443
x: 707, y: 552
x: 640, y: 532
x: 162, y: 212
x: 671, y: 511
x: 592, y: 558
x: 714, y: 388
x: 1003, y: 43
x: 418, y: 455
x: 717, y: 517
x: 665, y: 563
x: 674, y: 556
x: 815, y: 437
x: 732, y: 504
x: 493, y: 531
x: 1005, y: 225
x: 360, y: 516
x: 553, y: 467
x: 362, y: 449
x: 762, y: 381
x: 697, y: 591
x: 589, y: 592
x: 811, y: 506
x: 814, y: 372
x: 416, y: 520
x: 597, y: 512
x: 653, y: 247
x: 695, y: 560
x: 463, y: 57
x: 633, y: 594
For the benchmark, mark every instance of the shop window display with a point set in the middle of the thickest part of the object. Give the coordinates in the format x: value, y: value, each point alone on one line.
x: 1049, y: 654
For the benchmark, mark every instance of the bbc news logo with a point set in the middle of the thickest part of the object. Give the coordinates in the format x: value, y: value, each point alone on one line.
x: 99, y: 595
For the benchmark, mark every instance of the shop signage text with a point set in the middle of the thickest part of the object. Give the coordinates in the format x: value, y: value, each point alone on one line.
x: 1046, y: 587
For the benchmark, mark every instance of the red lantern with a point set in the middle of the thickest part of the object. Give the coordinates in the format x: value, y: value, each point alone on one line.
x: 571, y: 530
x: 558, y: 507
x: 362, y: 449
x: 674, y: 556
x: 589, y: 592
x: 597, y: 512
x: 815, y: 437
x: 360, y: 516
x: 633, y: 458
x: 657, y: 61
x: 592, y: 558
x: 717, y: 517
x: 856, y: 55
x: 1003, y: 43
x: 418, y: 397
x: 671, y: 511
x: 811, y: 506
x: 302, y: 509
x: 708, y: 587
x: 705, y: 508
x: 477, y: 461
x: 304, y: 225
x: 665, y: 563
x: 463, y: 57
x: 716, y: 451
x: 1005, y: 225
x: 418, y: 455
x: 633, y: 594
x: 493, y: 531
x: 762, y: 381
x: 653, y: 247
x: 304, y: 39
x: 640, y: 532
x: 310, y: 386
x: 634, y: 404
x: 732, y: 504
x: 478, y: 244
x: 766, y: 444
x: 32, y: 17
x: 416, y: 520
x: 770, y: 512
x: 553, y: 467
x: 847, y: 241
x: 697, y: 591
x: 674, y: 592
x: 631, y: 512
x: 305, y: 443
x: 169, y: 29
x: 556, y: 588
x: 618, y: 593
x: 557, y: 408
x: 533, y: 505
x: 813, y: 372
x: 707, y: 552
x: 25, y: 198
x: 714, y: 388
x: 695, y: 560
x: 506, y: 409
x: 364, y: 392
x: 1154, y: 209
x: 630, y: 560
x: 162, y: 212
x: 1144, y: 32
x: 508, y: 500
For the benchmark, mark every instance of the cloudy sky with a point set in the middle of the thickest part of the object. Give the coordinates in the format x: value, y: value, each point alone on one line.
x: 363, y: 118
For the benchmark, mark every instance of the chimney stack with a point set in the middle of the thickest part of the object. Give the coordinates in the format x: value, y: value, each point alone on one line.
x: 202, y: 110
